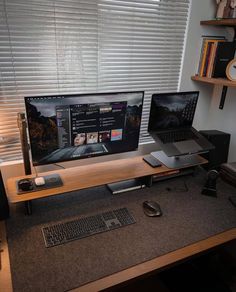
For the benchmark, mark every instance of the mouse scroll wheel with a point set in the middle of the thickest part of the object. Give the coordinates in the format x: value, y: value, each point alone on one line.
x: 150, y: 207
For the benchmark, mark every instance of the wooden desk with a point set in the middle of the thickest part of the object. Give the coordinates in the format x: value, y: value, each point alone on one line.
x: 215, y: 227
x: 146, y: 268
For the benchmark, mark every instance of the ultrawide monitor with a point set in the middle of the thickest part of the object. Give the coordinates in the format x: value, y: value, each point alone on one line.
x: 68, y: 127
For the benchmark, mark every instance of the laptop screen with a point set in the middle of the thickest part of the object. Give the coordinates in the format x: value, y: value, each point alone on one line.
x: 172, y: 110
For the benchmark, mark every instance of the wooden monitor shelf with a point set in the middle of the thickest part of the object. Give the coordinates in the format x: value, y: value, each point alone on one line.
x: 81, y: 177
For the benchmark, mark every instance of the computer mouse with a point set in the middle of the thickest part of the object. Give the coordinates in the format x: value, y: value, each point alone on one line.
x: 152, y: 208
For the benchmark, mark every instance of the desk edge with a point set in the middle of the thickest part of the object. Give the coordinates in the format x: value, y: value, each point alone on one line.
x: 158, y: 263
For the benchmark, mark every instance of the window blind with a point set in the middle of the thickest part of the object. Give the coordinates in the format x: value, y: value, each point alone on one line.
x: 79, y: 46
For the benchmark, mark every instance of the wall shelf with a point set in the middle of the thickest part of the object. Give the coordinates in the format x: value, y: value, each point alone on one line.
x: 215, y: 81
x: 224, y: 82
x: 220, y: 22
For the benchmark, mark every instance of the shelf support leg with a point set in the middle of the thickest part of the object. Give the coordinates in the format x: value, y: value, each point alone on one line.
x: 234, y: 39
x: 28, y: 207
x: 223, y: 96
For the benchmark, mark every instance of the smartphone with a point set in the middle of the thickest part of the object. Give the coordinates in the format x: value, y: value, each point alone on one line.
x: 152, y: 161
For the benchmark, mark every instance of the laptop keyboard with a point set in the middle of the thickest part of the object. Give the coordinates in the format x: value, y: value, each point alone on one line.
x: 176, y: 136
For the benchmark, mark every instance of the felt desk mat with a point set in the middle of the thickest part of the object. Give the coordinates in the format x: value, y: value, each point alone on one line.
x: 187, y: 217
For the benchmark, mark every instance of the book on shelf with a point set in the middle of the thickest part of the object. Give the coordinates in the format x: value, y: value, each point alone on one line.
x: 224, y: 54
x: 202, y: 47
x: 209, y: 45
x: 215, y: 54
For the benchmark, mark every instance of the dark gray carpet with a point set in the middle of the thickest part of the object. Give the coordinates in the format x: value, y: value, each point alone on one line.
x: 187, y: 217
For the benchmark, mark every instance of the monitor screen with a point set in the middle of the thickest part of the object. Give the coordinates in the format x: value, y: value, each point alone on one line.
x: 68, y: 127
x: 172, y: 110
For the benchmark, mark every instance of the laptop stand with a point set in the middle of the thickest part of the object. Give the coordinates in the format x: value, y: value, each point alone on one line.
x: 177, y: 161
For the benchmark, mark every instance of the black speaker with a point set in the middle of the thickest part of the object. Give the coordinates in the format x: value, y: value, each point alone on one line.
x: 218, y: 155
x: 4, y: 207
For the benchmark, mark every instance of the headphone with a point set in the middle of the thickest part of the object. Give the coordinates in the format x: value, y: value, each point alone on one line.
x: 209, y: 188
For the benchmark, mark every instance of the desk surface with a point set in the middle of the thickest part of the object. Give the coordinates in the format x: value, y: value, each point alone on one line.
x: 191, y: 223
x: 159, y: 262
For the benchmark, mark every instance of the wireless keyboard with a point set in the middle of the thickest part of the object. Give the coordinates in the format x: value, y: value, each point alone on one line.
x: 79, y: 228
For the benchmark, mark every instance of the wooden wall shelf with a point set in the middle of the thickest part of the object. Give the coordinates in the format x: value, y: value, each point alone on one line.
x: 220, y: 22
x: 231, y: 22
x: 215, y: 81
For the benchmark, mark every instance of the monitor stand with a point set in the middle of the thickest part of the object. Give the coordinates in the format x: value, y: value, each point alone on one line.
x: 177, y: 161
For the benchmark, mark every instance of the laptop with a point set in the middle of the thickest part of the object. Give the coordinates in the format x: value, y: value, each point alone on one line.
x: 170, y: 124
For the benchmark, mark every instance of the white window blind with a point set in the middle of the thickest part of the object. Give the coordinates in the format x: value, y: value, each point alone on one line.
x: 79, y: 46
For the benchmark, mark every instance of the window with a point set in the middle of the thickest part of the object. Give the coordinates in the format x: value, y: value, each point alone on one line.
x: 80, y: 46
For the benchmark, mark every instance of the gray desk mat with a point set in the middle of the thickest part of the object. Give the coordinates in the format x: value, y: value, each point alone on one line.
x: 187, y: 217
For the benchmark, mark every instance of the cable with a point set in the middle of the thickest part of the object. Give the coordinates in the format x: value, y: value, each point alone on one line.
x: 35, y: 169
x: 176, y: 189
x: 59, y: 165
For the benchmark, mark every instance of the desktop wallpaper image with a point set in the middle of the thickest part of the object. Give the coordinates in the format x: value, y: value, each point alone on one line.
x: 172, y: 111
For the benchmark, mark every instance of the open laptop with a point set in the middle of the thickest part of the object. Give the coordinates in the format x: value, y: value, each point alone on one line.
x: 170, y: 124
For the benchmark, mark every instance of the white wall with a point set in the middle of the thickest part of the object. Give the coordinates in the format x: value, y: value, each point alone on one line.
x: 208, y: 115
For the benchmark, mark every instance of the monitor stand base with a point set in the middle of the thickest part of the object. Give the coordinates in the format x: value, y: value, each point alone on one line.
x: 177, y: 161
